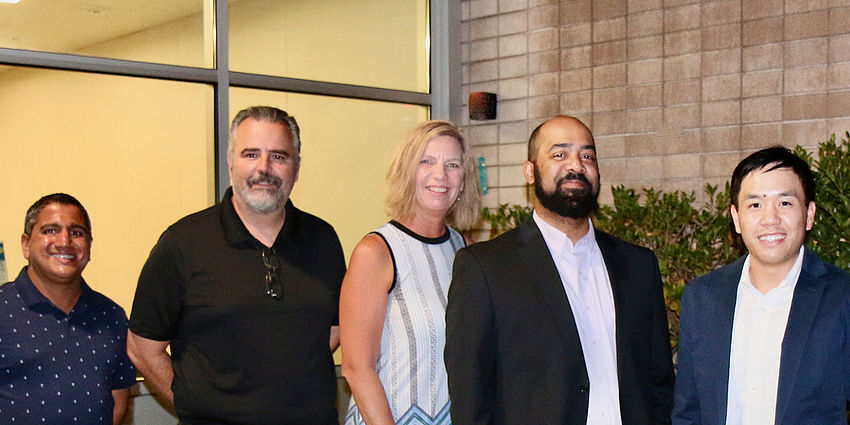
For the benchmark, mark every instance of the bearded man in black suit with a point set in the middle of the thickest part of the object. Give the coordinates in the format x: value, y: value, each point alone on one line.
x: 556, y: 322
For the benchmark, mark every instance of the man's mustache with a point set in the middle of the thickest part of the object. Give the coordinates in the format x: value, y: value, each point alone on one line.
x: 264, y: 178
x: 574, y: 176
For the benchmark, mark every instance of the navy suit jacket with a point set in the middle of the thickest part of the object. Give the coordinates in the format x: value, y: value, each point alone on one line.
x: 513, y: 352
x: 814, y: 371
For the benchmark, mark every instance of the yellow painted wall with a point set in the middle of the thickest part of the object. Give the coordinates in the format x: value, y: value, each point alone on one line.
x: 135, y: 152
x: 380, y: 43
x: 180, y: 42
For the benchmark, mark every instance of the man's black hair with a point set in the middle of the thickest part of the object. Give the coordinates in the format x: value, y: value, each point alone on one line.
x: 769, y: 159
x: 55, y: 198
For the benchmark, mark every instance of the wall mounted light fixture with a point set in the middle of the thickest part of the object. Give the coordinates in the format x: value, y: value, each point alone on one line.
x: 482, y: 106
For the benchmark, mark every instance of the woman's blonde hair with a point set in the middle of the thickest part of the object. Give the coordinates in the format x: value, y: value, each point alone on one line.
x: 401, y: 177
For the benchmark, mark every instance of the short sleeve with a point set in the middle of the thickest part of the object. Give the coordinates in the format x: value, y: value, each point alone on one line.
x: 158, y: 303
x: 336, y: 267
x: 124, y: 375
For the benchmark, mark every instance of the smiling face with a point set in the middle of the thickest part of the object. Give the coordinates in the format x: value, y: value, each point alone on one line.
x: 772, y: 218
x: 264, y: 165
x: 439, y: 176
x: 59, y: 247
x: 564, y: 170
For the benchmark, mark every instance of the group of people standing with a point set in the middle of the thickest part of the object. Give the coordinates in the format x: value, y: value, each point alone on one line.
x: 554, y: 322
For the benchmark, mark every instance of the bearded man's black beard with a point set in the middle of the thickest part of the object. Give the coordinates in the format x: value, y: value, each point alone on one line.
x: 572, y: 202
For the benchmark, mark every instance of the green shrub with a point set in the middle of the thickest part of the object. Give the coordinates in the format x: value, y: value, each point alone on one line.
x: 831, y: 232
x: 505, y: 218
x: 690, y: 242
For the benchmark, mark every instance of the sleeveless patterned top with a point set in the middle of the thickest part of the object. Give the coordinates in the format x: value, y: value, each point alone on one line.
x: 410, y: 363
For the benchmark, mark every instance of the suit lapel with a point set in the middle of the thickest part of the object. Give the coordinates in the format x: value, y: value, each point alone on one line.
x: 617, y: 269
x: 536, y: 256
x: 804, y: 309
x: 616, y: 266
x: 723, y: 300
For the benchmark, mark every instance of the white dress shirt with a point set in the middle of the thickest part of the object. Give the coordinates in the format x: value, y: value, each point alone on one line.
x: 585, y: 279
x: 758, y: 329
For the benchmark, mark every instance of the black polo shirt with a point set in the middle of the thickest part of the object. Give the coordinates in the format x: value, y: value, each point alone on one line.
x: 240, y: 356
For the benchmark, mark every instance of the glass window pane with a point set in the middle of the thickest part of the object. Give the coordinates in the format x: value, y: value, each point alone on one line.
x: 137, y: 153
x: 176, y: 32
x: 346, y: 149
x: 379, y: 43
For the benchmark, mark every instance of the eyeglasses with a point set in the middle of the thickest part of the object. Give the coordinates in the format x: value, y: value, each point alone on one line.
x: 274, y: 288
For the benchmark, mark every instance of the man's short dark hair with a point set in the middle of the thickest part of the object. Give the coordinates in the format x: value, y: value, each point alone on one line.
x: 270, y: 114
x: 534, y: 139
x: 769, y: 159
x: 533, y: 143
x: 55, y: 198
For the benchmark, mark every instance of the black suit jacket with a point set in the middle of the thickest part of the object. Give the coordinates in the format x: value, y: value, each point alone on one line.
x: 513, y: 352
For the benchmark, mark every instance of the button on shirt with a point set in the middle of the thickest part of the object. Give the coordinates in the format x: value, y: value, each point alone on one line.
x: 585, y: 279
x: 58, y: 368
x: 758, y: 329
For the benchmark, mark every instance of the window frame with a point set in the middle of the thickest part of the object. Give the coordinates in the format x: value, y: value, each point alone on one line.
x: 444, y: 80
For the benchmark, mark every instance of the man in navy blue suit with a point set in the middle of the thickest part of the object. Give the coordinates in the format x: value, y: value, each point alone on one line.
x: 766, y: 339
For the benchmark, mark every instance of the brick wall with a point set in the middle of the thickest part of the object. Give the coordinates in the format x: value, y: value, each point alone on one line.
x: 675, y: 91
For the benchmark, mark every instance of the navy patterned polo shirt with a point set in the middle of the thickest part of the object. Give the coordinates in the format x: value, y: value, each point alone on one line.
x: 57, y: 368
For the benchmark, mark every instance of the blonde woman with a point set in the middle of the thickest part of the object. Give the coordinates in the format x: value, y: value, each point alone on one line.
x: 393, y: 300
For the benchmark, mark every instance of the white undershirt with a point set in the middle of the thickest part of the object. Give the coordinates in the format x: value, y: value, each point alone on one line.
x: 585, y: 279
x: 757, y: 331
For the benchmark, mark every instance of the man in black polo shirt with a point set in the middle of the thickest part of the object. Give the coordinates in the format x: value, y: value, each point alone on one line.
x: 246, y: 294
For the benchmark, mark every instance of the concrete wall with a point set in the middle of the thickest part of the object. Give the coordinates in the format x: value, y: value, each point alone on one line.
x: 675, y: 91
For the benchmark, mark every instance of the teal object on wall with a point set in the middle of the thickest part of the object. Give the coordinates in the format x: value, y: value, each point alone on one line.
x: 482, y: 172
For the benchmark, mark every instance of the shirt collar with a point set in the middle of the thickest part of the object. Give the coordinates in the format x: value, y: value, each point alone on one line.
x: 235, y: 231
x: 790, y: 279
x: 558, y: 242
x: 36, y: 301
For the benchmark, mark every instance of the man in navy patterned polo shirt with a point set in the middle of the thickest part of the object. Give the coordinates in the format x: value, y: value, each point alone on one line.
x: 63, y: 357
